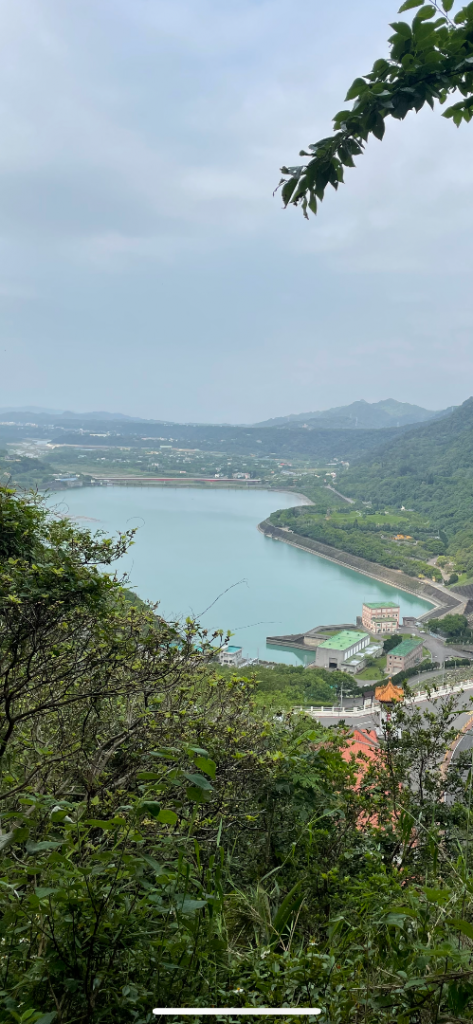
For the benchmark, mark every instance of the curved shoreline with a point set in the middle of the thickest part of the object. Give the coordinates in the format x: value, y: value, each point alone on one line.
x: 439, y: 600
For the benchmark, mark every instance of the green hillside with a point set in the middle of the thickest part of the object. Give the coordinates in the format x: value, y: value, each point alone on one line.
x: 423, y: 479
x: 360, y: 415
x: 429, y: 469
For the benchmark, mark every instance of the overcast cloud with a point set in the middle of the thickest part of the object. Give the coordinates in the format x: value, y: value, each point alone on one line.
x: 145, y: 265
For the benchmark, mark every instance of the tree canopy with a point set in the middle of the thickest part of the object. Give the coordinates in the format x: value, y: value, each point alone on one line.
x: 429, y: 60
x: 165, y: 842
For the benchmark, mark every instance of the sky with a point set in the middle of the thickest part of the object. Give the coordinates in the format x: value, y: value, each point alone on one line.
x: 145, y: 265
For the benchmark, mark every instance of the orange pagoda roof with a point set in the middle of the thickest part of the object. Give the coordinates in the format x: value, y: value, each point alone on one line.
x: 388, y: 693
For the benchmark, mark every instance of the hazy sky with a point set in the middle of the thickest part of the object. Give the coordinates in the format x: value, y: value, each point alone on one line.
x: 145, y: 265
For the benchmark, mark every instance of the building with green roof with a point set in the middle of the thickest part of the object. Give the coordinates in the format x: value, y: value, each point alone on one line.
x: 380, y: 616
x: 338, y: 649
x: 407, y: 654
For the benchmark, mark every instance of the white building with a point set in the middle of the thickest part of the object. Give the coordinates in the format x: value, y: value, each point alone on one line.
x: 231, y: 655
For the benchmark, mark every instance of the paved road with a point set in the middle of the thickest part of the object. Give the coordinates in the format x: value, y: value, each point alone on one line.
x: 438, y: 649
x: 466, y: 743
x: 370, y: 720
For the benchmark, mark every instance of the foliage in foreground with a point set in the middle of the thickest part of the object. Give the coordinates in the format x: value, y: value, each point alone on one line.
x: 163, y: 844
x: 429, y: 59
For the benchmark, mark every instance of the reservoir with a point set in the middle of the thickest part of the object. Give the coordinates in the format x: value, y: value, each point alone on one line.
x: 198, y: 552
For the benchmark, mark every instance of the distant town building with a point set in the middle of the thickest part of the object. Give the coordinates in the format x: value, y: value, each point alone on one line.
x: 337, y: 651
x: 241, y: 476
x: 405, y: 655
x: 231, y: 655
x: 69, y: 481
x: 380, y: 617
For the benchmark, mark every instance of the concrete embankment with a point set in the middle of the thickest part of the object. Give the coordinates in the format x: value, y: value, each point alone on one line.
x: 443, y: 600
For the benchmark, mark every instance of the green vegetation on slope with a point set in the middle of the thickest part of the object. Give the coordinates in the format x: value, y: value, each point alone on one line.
x: 283, y: 686
x: 411, y: 502
x: 164, y: 843
x: 429, y: 469
x: 368, y: 535
x: 452, y: 626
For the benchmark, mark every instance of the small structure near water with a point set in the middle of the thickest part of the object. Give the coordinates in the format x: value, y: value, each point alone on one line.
x: 380, y: 616
x: 340, y: 651
x: 337, y: 646
x: 231, y: 655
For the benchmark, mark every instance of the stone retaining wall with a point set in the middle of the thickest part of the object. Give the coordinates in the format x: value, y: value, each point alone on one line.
x: 395, y: 578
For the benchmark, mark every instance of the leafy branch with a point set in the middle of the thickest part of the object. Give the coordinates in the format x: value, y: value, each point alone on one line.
x: 429, y: 59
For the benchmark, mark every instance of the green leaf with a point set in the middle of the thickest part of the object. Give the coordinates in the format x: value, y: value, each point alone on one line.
x: 42, y: 892
x: 359, y: 85
x: 167, y: 817
x: 288, y: 189
x: 106, y: 825
x: 289, y: 906
x: 462, y: 926
x: 401, y: 912
x: 409, y: 4
x: 447, y: 5
x: 148, y: 776
x: 198, y: 780
x: 168, y: 752
x: 46, y: 844
x: 6, y: 839
x: 157, y: 868
x: 439, y: 896
x: 402, y: 29
x: 151, y: 807
x: 191, y: 906
x: 206, y: 765
x: 199, y: 750
x: 197, y: 795
x: 46, y: 1018
x: 378, y: 127
x: 425, y: 13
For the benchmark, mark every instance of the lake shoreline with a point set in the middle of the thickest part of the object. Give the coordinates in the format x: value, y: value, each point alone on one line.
x: 197, y: 552
x: 440, y: 601
x: 226, y: 485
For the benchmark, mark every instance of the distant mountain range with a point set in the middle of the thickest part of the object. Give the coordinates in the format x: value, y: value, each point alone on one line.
x: 360, y: 416
x: 38, y: 410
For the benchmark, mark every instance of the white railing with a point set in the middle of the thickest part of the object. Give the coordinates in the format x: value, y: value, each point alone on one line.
x: 338, y: 711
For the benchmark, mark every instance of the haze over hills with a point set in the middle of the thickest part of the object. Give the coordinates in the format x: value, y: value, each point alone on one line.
x: 17, y: 412
x: 360, y: 415
x: 326, y: 436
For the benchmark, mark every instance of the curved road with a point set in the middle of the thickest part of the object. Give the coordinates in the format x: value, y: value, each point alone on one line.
x: 370, y: 718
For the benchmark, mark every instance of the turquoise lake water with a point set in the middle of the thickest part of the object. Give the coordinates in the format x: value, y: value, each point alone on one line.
x: 193, y: 545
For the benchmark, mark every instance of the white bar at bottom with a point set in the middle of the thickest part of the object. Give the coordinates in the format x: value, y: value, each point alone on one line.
x: 247, y: 1011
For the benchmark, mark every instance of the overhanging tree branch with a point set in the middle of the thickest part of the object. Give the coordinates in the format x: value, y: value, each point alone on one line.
x: 429, y: 60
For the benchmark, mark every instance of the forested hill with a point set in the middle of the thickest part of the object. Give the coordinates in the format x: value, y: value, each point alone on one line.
x: 360, y: 415
x: 429, y: 469
x: 283, y: 442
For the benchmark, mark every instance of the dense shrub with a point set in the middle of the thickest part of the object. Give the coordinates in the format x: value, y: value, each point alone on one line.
x: 165, y: 844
